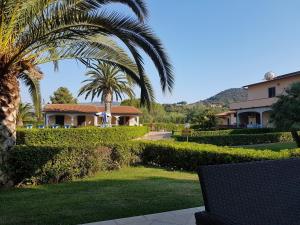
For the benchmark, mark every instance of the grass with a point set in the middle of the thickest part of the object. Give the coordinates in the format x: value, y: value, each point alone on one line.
x: 272, y: 146
x: 108, y: 195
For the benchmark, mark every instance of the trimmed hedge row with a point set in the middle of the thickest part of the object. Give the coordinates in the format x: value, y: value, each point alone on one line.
x: 78, y: 136
x: 164, y: 126
x: 189, y: 156
x: 42, y: 164
x: 239, y: 139
x: 234, y: 131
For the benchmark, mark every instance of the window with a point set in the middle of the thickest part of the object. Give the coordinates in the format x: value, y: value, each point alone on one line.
x: 272, y: 92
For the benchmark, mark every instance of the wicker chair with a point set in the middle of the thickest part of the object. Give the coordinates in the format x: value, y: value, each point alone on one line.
x: 255, y: 193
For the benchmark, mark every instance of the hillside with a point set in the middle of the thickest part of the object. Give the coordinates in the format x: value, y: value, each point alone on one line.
x: 226, y: 97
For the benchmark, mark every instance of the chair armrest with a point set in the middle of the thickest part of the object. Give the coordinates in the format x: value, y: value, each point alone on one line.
x: 205, y: 218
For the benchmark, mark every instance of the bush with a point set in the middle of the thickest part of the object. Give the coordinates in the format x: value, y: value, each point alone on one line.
x: 42, y: 164
x: 81, y: 136
x: 189, y: 156
x: 239, y: 139
x: 234, y: 131
x: 164, y: 126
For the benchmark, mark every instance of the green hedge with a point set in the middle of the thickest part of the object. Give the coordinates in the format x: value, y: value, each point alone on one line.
x: 234, y: 131
x: 189, y: 156
x: 164, y: 126
x: 78, y: 136
x: 239, y: 139
x: 42, y: 164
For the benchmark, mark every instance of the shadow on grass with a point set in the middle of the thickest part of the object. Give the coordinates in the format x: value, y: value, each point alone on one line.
x: 97, y: 200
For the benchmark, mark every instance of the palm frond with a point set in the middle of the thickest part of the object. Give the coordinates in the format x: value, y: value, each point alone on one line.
x: 34, y: 89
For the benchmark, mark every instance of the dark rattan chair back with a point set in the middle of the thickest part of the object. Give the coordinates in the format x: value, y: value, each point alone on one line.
x: 255, y: 193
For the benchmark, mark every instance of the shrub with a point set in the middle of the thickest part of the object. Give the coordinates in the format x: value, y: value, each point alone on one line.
x: 239, y: 139
x: 126, y: 153
x: 234, y: 131
x: 164, y: 126
x: 189, y: 156
x: 78, y: 136
x: 42, y: 164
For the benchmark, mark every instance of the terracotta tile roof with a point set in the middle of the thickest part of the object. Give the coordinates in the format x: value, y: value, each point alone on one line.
x: 78, y: 108
x: 225, y: 113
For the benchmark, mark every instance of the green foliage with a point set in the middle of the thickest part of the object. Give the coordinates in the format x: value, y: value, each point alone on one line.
x: 189, y: 156
x: 106, y: 80
x: 234, y: 131
x: 286, y: 111
x: 34, y: 89
x: 82, y: 136
x: 205, y: 119
x: 239, y: 139
x: 24, y: 113
x: 157, y: 113
x: 83, y: 30
x: 63, y: 96
x: 43, y: 164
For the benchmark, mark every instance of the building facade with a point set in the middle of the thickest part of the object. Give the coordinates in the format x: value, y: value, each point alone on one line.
x: 77, y: 115
x: 255, y: 112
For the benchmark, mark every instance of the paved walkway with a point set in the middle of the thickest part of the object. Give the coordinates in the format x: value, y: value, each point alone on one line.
x: 179, y: 217
x: 155, y: 136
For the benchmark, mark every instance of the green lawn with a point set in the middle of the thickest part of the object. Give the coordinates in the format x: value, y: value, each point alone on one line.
x: 273, y: 146
x: 108, y: 195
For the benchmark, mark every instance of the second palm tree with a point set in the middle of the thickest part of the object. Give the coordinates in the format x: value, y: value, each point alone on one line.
x: 106, y: 82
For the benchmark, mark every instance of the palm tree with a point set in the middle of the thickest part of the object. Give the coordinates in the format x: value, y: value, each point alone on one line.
x: 34, y: 89
x: 24, y: 113
x: 34, y: 32
x: 106, y: 81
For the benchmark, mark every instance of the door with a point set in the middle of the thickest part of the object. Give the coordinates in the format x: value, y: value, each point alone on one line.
x: 60, y: 120
x: 81, y: 121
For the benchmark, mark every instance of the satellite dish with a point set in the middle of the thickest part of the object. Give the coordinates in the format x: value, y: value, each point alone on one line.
x: 270, y: 75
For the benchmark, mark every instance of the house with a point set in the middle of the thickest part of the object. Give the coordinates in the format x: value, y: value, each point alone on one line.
x: 255, y: 112
x: 87, y: 115
x: 227, y: 119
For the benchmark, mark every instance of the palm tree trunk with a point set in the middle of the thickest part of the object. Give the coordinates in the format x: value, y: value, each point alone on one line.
x: 108, y: 103
x: 9, y: 101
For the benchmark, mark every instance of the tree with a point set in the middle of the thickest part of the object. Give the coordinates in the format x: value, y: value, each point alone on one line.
x: 34, y: 32
x: 203, y: 116
x: 106, y: 82
x: 286, y: 111
x: 34, y: 89
x: 24, y: 113
x: 63, y: 96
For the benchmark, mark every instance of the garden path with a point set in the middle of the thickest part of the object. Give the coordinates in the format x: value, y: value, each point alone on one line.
x: 155, y: 136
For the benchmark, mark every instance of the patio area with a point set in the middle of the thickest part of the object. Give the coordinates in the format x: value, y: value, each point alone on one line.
x: 178, y: 217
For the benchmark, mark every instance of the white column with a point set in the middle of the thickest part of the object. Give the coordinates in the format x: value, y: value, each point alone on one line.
x: 46, y: 120
x: 117, y: 120
x: 138, y: 120
x: 95, y: 120
x: 72, y: 120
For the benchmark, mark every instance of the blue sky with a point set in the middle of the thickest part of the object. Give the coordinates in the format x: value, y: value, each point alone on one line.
x: 213, y: 45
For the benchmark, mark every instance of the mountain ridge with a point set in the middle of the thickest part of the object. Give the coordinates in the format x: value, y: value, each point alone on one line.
x: 224, y: 98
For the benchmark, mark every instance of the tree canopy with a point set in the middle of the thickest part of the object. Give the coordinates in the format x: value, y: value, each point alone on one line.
x: 63, y: 96
x: 286, y: 111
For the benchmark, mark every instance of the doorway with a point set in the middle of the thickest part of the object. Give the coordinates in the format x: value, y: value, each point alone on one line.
x: 80, y: 121
x: 60, y: 120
